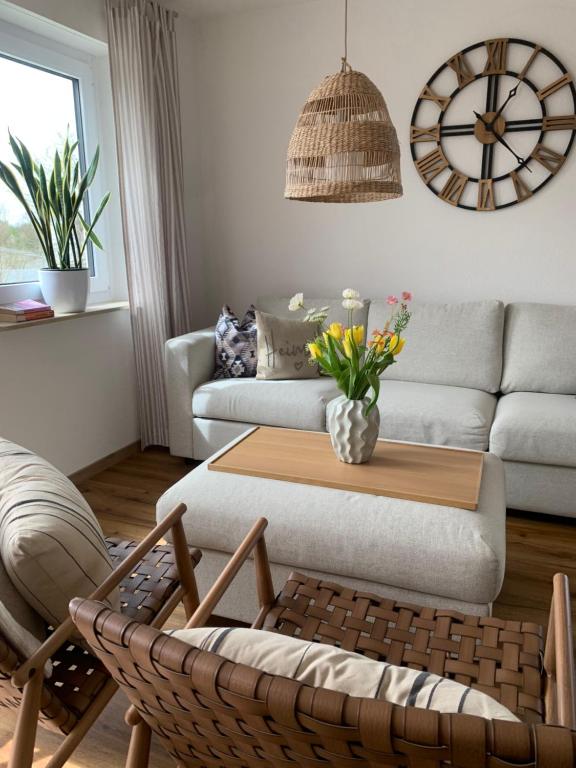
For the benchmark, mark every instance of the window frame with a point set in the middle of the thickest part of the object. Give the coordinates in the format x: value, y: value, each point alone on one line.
x: 38, y: 51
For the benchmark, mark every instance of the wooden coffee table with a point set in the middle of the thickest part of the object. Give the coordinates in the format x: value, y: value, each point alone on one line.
x: 424, y: 473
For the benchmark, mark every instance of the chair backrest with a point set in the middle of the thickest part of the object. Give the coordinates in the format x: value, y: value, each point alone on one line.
x: 207, y: 710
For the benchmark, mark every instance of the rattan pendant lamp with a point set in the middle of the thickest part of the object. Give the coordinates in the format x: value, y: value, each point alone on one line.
x: 344, y: 148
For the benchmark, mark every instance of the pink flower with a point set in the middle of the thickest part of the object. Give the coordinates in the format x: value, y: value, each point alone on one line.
x: 392, y: 300
x: 406, y: 295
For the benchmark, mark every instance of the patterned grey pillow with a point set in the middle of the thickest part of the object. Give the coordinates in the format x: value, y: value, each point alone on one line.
x: 236, y: 347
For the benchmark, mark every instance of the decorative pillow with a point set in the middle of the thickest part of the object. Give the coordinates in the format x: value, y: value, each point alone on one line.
x: 51, y: 544
x: 325, y: 666
x: 20, y: 625
x: 235, y: 345
x: 283, y: 348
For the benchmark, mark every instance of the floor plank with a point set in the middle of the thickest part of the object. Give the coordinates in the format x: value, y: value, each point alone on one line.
x: 124, y: 497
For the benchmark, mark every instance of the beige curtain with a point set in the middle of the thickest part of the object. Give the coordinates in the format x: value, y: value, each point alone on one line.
x: 144, y: 71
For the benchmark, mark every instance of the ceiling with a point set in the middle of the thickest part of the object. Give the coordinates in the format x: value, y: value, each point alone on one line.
x: 201, y: 8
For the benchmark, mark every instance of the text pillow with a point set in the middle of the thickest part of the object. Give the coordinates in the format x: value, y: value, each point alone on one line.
x: 325, y: 666
x: 236, y: 348
x: 283, y: 348
x: 51, y: 544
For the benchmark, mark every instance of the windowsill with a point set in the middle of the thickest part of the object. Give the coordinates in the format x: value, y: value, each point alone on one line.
x: 94, y: 309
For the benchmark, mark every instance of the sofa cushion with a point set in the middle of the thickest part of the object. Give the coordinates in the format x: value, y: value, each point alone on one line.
x: 278, y: 306
x: 51, y: 544
x: 283, y: 348
x: 430, y: 413
x: 299, y: 404
x: 236, y: 348
x: 540, y: 349
x: 535, y: 427
x: 327, y: 666
x: 459, y: 345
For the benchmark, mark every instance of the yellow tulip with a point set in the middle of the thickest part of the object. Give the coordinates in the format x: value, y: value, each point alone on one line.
x: 347, y: 348
x: 396, y: 344
x: 336, y: 330
x: 356, y: 333
x: 314, y: 349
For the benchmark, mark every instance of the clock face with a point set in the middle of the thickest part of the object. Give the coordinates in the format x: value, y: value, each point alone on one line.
x: 494, y: 124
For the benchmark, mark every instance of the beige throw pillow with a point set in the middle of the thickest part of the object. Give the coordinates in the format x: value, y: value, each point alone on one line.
x: 51, y: 544
x: 325, y: 666
x: 282, y: 348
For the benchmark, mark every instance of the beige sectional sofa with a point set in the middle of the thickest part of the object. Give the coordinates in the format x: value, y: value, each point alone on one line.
x: 474, y: 375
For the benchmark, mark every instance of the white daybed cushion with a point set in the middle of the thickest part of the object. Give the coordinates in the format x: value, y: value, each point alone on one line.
x: 325, y: 666
x: 51, y: 544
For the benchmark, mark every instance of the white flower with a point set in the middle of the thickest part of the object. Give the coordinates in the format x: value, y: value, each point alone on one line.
x: 352, y: 304
x: 296, y: 302
x: 350, y: 293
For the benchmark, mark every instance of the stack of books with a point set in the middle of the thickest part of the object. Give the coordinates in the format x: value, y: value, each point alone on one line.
x: 23, y: 311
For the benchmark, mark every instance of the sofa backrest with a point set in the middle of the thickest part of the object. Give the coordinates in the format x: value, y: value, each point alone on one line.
x: 540, y: 349
x: 278, y: 306
x: 456, y: 344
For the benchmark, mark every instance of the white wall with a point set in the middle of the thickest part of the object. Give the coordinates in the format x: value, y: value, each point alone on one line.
x: 67, y: 389
x: 256, y: 70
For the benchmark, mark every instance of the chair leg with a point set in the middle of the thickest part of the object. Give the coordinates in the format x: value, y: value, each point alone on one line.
x: 139, y: 751
x: 83, y: 726
x: 22, y: 753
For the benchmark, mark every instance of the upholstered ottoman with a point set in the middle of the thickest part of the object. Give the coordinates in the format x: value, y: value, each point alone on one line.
x: 420, y: 553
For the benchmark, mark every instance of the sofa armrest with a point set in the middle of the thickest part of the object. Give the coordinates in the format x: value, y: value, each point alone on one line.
x: 189, y: 362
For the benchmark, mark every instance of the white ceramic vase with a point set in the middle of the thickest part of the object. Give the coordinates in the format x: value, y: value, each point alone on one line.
x: 66, y: 290
x: 353, y: 433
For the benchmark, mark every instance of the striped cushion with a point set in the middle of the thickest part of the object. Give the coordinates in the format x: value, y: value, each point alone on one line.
x: 51, y: 544
x: 325, y: 666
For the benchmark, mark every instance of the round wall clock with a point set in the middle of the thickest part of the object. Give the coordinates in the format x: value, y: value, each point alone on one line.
x: 494, y: 124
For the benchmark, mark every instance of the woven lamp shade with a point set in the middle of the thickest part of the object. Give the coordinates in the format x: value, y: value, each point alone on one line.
x: 344, y: 148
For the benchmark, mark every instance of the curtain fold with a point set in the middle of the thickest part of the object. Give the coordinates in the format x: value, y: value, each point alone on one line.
x: 144, y: 72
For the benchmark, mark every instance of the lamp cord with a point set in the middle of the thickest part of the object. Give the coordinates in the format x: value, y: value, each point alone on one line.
x: 345, y: 66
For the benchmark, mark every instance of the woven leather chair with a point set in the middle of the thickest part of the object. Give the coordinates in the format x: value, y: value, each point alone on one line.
x: 152, y: 579
x: 208, y: 711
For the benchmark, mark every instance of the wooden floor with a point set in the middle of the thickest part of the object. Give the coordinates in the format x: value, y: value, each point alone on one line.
x: 124, y: 499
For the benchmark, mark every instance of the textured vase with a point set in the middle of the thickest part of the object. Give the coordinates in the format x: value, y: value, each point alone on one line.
x: 353, y: 433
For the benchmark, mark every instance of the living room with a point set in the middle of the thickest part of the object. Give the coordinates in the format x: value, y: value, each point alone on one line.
x: 410, y: 442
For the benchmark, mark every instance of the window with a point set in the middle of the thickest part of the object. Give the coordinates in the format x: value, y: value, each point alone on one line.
x: 48, y: 113
x: 49, y: 89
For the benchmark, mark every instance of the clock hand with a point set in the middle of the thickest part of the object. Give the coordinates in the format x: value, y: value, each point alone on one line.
x: 504, y: 143
x: 512, y: 93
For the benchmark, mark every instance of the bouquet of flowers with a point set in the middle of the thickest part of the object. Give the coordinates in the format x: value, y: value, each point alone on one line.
x: 343, y: 352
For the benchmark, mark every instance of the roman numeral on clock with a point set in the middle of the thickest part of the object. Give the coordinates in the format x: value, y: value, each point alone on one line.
x: 559, y: 123
x: 431, y: 165
x: 452, y: 190
x: 463, y: 72
x: 430, y: 95
x: 431, y: 133
x: 522, y: 189
x: 549, y: 158
x: 485, y: 195
x: 543, y: 93
x: 497, y: 54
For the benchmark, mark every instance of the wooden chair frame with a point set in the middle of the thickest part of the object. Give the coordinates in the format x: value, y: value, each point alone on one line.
x: 241, y: 716
x: 29, y: 676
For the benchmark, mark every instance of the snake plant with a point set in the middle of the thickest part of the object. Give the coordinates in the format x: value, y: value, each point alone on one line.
x: 53, y: 200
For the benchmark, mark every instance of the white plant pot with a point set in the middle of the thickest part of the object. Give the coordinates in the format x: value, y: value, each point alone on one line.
x: 66, y: 290
x: 353, y: 434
